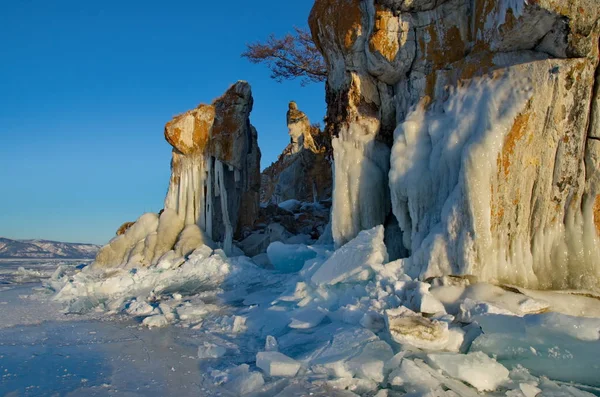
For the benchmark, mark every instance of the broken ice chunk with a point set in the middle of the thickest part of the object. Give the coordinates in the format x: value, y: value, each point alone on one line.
x: 288, y: 258
x: 210, y: 350
x: 271, y: 344
x: 373, y: 321
x: 370, y: 363
x: 419, y: 298
x: 193, y: 312
x: 354, y: 258
x: 241, y: 381
x: 529, y: 390
x: 470, y: 310
x: 412, y: 378
x: 477, y: 369
x: 139, y: 308
x: 307, y: 318
x: 277, y: 364
x: 157, y: 321
x: 345, y: 345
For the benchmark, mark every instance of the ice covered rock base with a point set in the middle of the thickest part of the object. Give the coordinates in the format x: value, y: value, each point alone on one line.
x: 351, y: 322
x: 470, y: 130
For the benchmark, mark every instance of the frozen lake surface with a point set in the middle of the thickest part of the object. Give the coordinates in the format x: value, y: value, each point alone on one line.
x: 44, y: 352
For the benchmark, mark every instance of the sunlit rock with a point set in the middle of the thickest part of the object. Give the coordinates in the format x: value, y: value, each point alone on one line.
x: 214, y: 187
x: 475, y: 126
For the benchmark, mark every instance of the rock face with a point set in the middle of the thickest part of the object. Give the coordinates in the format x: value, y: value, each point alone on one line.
x: 475, y: 125
x: 303, y: 171
x: 214, y: 188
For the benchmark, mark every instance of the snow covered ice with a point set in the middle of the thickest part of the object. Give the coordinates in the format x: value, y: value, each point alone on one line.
x: 476, y: 369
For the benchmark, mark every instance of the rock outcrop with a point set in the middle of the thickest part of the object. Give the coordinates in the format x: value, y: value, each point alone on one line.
x: 213, y: 191
x: 477, y: 125
x: 303, y: 171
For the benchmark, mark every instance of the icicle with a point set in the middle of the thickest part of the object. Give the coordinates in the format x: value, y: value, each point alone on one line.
x: 236, y: 175
x: 172, y: 195
x: 220, y: 175
x: 199, y: 177
x: 188, y: 206
x: 202, y: 198
x: 209, y: 197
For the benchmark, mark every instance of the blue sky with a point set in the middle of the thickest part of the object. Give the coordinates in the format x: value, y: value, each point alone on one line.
x: 85, y: 91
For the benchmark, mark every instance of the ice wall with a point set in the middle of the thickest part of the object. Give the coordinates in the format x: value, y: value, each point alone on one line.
x: 214, y: 187
x: 490, y: 109
x: 361, y: 168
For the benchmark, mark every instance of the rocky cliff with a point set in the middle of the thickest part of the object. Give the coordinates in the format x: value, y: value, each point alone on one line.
x: 476, y: 124
x: 303, y: 171
x: 213, y: 191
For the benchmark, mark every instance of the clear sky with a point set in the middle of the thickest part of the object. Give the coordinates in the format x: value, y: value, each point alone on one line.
x: 87, y: 86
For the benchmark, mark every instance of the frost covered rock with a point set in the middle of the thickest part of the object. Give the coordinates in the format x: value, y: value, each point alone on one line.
x: 213, y: 191
x: 277, y: 364
x: 409, y: 328
x: 476, y: 123
x: 476, y: 369
x: 353, y: 261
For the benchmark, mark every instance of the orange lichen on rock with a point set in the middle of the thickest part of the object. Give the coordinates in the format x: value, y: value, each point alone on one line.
x: 176, y: 167
x: 516, y: 133
x: 597, y: 214
x: 476, y: 66
x: 202, y: 126
x: 190, y: 132
x: 496, y: 211
x: 227, y: 124
x: 342, y: 17
x: 440, y: 51
x: 483, y: 8
x: 384, y: 39
x: 124, y: 227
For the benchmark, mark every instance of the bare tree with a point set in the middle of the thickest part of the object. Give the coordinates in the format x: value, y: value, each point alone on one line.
x: 293, y: 56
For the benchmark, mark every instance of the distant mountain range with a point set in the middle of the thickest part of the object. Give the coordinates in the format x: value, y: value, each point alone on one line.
x: 44, y: 249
